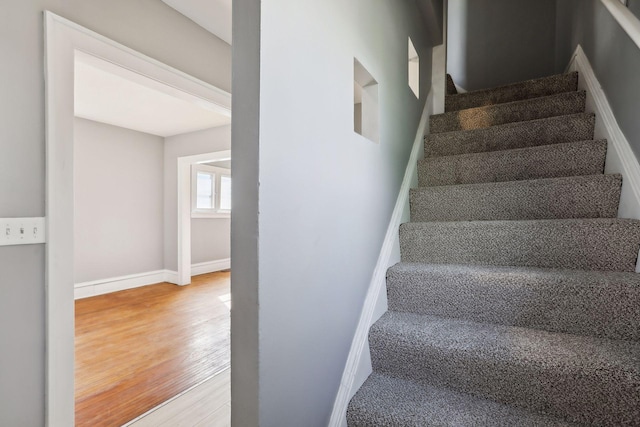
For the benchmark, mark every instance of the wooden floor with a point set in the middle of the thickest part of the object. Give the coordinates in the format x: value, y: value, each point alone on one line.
x: 136, y: 349
x: 206, y: 405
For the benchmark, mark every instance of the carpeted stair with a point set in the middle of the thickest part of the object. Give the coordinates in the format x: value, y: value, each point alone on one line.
x: 516, y: 302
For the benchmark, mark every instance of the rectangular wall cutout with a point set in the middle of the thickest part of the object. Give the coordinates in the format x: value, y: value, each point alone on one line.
x: 414, y: 69
x: 365, y: 103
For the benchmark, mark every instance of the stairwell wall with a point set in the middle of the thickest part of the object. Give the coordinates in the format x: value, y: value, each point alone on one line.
x: 496, y: 42
x: 614, y: 57
x: 315, y: 213
x: 150, y: 27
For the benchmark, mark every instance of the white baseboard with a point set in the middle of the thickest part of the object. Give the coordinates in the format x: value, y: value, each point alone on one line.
x: 210, y: 266
x: 620, y: 156
x: 358, y: 365
x: 171, y: 276
x: 115, y: 284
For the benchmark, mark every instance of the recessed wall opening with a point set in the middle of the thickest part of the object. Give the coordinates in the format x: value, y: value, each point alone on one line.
x: 365, y: 103
x: 414, y: 69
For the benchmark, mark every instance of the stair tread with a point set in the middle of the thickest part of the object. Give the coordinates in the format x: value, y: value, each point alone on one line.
x: 586, y: 379
x: 514, y: 91
x: 516, y: 299
x: 596, y: 303
x: 512, y: 344
x: 591, y: 196
x: 515, y: 111
x: 609, y: 244
x: 387, y: 401
x: 539, y: 182
x: 510, y: 271
x: 550, y: 130
x: 543, y: 161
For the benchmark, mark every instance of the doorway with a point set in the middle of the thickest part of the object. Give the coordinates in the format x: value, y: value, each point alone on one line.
x: 64, y: 41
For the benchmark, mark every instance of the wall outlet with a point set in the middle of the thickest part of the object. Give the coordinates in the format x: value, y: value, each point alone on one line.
x: 22, y: 231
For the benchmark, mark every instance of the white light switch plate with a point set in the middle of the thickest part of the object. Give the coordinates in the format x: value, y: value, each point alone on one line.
x: 21, y: 231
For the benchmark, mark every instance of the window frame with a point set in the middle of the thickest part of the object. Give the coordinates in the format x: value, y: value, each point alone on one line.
x: 217, y: 173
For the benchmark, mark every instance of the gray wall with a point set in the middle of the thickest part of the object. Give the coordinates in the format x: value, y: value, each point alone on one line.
x: 312, y: 199
x: 126, y: 190
x: 148, y: 26
x: 495, y: 42
x: 118, y: 182
x: 614, y: 56
x: 210, y: 238
x: 634, y: 6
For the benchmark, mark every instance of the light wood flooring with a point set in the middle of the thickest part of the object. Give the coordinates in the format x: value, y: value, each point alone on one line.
x: 138, y: 348
x: 206, y: 405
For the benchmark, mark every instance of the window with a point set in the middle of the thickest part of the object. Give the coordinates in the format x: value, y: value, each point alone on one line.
x: 225, y: 192
x: 210, y: 192
x: 365, y: 103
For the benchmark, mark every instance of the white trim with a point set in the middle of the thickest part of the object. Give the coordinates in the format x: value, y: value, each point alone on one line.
x: 210, y: 266
x: 217, y: 173
x: 115, y: 284
x: 620, y: 156
x: 132, y: 281
x: 171, y: 276
x: 184, y: 211
x: 62, y: 39
x: 375, y: 300
x: 627, y: 20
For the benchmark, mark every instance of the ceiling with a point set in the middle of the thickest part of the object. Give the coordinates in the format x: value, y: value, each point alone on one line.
x: 212, y: 15
x: 108, y: 93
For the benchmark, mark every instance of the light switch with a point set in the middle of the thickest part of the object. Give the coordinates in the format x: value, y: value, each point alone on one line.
x: 22, y: 231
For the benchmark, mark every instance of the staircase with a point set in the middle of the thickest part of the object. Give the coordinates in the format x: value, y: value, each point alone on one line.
x: 516, y: 301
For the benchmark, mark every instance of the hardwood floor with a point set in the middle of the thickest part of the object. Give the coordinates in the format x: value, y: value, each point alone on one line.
x: 137, y: 348
x: 206, y: 405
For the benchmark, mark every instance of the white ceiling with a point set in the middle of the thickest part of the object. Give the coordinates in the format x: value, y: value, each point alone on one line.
x: 212, y: 15
x: 110, y: 94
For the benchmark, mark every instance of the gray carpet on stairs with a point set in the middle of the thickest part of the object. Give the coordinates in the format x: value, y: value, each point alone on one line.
x: 545, y: 161
x: 516, y: 302
x: 515, y: 92
x: 553, y: 130
x: 451, y: 86
x: 585, y: 379
x: 517, y: 111
x: 596, y: 303
x: 385, y: 401
x: 589, y: 244
x: 592, y: 196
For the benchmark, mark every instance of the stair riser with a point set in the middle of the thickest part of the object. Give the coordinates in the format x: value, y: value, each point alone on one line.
x: 533, y: 109
x: 577, y: 127
x: 608, y: 245
x: 388, y: 401
x: 595, y: 396
x: 576, y: 197
x: 519, y: 91
x: 547, y: 161
x: 592, y: 305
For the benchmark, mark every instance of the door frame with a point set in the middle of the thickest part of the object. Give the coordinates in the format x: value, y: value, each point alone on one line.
x: 184, y: 208
x: 62, y: 39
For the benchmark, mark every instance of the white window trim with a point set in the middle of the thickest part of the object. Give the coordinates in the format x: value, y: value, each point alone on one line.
x: 215, y: 212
